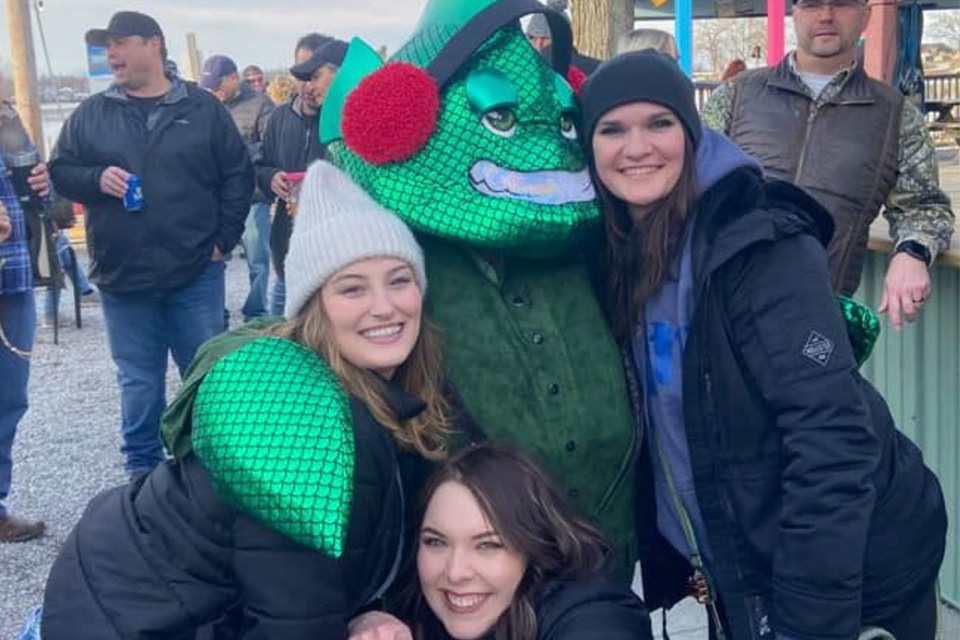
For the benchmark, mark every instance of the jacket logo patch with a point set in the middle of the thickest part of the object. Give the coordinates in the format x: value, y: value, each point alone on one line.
x: 818, y: 348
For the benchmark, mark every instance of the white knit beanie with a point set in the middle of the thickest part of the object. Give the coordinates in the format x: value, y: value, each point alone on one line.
x: 338, y: 224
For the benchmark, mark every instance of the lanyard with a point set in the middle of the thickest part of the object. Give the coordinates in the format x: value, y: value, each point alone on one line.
x: 700, y: 585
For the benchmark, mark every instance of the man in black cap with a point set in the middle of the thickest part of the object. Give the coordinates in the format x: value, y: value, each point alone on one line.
x: 157, y: 262
x: 291, y: 141
x: 251, y: 112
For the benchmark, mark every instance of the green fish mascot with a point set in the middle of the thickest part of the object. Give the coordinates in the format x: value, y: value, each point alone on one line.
x: 470, y: 137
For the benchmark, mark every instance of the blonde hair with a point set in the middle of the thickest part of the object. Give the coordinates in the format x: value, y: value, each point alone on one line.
x: 640, y: 39
x: 420, y: 375
x: 282, y: 88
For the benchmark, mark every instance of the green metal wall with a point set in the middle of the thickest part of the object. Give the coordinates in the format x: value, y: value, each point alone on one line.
x: 918, y: 372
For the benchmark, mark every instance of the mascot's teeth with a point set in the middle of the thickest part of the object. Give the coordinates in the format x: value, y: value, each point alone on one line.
x: 539, y: 187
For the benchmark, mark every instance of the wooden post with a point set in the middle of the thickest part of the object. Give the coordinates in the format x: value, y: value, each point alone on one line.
x: 598, y: 23
x: 880, y: 41
x: 193, y: 57
x: 25, y: 70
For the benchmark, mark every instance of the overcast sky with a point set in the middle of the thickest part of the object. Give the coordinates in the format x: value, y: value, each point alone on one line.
x: 244, y: 29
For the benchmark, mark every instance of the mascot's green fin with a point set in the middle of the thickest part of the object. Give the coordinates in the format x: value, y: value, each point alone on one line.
x: 274, y: 429
x: 863, y: 327
x: 360, y: 61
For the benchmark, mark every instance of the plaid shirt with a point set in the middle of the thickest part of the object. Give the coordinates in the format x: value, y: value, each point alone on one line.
x: 16, y: 275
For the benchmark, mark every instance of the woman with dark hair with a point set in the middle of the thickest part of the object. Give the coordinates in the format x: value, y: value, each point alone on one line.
x: 501, y: 556
x: 775, y: 486
x: 282, y: 514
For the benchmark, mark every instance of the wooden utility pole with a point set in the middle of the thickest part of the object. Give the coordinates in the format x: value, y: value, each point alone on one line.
x: 598, y: 23
x: 25, y: 70
x: 194, y: 61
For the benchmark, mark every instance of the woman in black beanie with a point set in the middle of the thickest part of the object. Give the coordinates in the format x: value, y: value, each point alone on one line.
x: 778, y: 490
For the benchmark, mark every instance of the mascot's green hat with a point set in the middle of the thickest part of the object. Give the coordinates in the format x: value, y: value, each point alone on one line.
x: 448, y: 34
x: 466, y: 132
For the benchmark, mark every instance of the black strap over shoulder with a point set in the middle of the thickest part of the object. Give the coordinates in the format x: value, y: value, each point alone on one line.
x: 483, y: 25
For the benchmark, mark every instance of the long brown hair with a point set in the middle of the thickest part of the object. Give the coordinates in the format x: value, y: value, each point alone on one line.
x: 420, y: 375
x: 638, y: 252
x: 526, y: 510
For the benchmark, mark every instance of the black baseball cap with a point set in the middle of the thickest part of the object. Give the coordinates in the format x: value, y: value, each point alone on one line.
x: 122, y: 24
x: 330, y: 53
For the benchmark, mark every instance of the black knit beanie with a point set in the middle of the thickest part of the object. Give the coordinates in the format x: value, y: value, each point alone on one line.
x: 639, y: 76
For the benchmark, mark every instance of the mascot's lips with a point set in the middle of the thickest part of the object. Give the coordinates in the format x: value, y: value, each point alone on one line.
x: 540, y: 187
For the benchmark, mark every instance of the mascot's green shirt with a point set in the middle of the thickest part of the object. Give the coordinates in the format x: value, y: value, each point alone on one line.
x: 535, y: 366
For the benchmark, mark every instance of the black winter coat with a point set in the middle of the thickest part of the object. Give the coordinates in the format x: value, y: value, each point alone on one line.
x: 166, y: 556
x: 820, y: 515
x: 290, y: 143
x: 587, y: 609
x: 197, y: 185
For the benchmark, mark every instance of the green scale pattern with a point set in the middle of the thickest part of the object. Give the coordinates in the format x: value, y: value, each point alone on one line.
x: 863, y: 327
x: 432, y: 191
x: 273, y: 427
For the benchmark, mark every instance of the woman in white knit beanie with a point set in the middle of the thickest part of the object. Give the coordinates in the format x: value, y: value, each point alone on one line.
x: 297, y: 448
x: 347, y: 253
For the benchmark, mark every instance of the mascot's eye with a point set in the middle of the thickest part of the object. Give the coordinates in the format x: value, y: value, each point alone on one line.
x: 567, y: 127
x: 501, y: 122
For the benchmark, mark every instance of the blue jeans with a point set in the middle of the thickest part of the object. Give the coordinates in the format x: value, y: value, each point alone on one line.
x: 18, y: 320
x: 52, y: 300
x: 278, y: 298
x: 31, y: 630
x: 256, y: 243
x: 142, y: 327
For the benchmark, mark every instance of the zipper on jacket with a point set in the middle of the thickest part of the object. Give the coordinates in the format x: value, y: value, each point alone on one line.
x: 806, y: 140
x: 625, y: 465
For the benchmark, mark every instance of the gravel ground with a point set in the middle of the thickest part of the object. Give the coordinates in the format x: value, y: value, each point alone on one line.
x: 67, y: 446
x: 67, y: 449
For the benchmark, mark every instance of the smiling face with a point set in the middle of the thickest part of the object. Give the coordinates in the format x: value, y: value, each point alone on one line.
x: 639, y: 152
x: 468, y: 575
x: 827, y: 33
x: 255, y: 81
x: 374, y: 310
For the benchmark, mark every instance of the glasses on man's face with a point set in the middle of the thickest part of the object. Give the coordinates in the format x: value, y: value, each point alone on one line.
x: 837, y: 5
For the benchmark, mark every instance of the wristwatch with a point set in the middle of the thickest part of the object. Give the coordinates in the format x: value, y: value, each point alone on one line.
x: 916, y: 250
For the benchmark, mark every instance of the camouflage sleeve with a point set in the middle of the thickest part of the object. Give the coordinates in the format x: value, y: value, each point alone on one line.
x: 917, y: 208
x: 718, y: 112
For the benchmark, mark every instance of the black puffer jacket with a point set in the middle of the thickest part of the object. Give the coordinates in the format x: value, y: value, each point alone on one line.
x: 165, y: 556
x: 290, y: 143
x: 587, y: 609
x: 197, y: 185
x: 819, y: 513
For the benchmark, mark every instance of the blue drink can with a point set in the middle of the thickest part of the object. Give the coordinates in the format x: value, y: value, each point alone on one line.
x: 133, y: 198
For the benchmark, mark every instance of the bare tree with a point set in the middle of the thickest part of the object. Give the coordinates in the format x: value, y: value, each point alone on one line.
x: 944, y: 26
x: 725, y: 39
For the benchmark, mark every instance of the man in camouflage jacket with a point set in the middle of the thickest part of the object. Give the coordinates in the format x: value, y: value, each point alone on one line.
x: 854, y: 143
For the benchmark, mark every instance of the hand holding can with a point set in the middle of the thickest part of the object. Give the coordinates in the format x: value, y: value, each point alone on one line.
x: 294, y: 181
x: 133, y: 198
